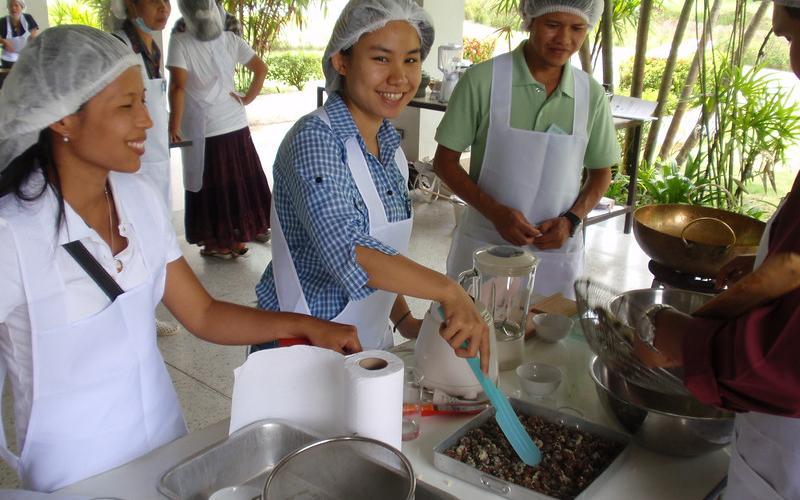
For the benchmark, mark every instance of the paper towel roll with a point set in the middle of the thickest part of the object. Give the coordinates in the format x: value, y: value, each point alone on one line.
x: 374, y: 401
x: 321, y: 390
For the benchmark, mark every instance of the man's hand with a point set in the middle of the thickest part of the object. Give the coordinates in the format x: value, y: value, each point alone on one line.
x: 513, y: 226
x: 175, y: 135
x: 554, y: 233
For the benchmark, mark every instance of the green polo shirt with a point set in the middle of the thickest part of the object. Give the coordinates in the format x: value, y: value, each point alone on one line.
x: 466, y: 122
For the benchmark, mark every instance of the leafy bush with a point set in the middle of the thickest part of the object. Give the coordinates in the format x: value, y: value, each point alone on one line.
x: 476, y: 50
x: 73, y: 12
x: 487, y: 13
x: 294, y: 69
x: 653, y: 72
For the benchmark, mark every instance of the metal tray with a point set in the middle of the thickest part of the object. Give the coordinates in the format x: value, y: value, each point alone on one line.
x: 510, y: 490
x: 247, y: 457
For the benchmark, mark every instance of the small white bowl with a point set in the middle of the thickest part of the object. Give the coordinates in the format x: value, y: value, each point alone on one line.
x: 538, y: 379
x: 552, y: 327
x: 236, y: 493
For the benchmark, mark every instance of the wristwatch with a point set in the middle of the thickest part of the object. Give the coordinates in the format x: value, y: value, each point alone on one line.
x: 574, y: 219
x: 646, y: 326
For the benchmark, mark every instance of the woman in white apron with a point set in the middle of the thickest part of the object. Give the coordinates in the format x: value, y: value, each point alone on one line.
x: 88, y: 254
x: 342, y: 218
x: 141, y: 20
x: 748, y: 363
x: 15, y: 30
x: 226, y: 191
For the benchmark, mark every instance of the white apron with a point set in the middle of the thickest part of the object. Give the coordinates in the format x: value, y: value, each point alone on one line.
x: 765, y: 456
x: 369, y: 315
x: 18, y: 42
x: 155, y: 165
x: 537, y: 173
x: 193, y: 123
x: 102, y: 395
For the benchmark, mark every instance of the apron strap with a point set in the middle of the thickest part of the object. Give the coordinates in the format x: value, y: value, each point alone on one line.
x: 580, y: 117
x: 500, y: 108
x: 99, y: 275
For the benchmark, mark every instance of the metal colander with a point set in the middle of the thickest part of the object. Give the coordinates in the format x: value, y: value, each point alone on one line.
x: 606, y: 317
x: 342, y: 468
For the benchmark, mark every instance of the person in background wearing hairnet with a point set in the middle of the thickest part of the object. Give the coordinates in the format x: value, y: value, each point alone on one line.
x: 15, y: 29
x: 342, y: 216
x: 533, y: 122
x: 744, y: 356
x: 88, y: 253
x: 140, y: 20
x: 227, y: 195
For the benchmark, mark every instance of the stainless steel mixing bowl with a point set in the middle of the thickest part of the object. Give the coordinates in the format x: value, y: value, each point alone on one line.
x: 665, y: 423
x: 628, y: 306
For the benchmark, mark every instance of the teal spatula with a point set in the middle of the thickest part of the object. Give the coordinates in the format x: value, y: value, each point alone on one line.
x: 507, y: 418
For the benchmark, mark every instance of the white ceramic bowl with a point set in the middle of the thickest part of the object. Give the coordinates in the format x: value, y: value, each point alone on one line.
x: 243, y: 492
x: 538, y: 379
x: 552, y: 327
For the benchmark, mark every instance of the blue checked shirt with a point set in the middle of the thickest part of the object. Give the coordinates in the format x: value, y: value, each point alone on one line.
x: 322, y: 213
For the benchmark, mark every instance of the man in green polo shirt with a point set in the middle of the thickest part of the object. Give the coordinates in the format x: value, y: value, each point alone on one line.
x: 534, y: 123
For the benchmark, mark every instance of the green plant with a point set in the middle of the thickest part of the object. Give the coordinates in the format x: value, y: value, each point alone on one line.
x: 748, y: 127
x: 294, y: 69
x: 478, y: 50
x: 73, y: 12
x: 653, y: 71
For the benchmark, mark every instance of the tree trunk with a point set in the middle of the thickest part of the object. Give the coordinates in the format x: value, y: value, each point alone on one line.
x: 694, y: 137
x: 752, y: 28
x: 607, y: 29
x: 691, y: 79
x: 637, y: 81
x: 586, y: 56
x: 666, y: 80
x: 640, y: 57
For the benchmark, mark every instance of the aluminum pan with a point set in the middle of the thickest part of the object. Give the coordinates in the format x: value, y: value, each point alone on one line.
x: 510, y: 490
x: 246, y: 457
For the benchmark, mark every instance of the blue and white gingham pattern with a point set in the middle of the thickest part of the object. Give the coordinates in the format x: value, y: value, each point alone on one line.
x: 322, y: 213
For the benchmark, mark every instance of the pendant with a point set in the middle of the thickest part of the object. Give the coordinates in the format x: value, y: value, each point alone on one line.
x: 118, y: 265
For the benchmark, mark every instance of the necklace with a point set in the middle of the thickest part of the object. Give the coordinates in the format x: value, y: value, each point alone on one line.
x: 117, y: 262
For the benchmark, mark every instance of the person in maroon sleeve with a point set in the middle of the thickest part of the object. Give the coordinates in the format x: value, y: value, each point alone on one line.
x: 746, y: 356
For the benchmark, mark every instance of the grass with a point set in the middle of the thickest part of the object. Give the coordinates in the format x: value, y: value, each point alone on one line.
x: 767, y: 198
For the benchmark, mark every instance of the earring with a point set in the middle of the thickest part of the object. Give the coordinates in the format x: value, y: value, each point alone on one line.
x: 65, y: 138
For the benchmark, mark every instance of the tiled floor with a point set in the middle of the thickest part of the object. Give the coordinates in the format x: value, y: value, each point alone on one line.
x: 203, y: 372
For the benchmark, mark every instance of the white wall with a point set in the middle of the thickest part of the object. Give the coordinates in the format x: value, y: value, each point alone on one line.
x: 36, y: 8
x: 419, y: 126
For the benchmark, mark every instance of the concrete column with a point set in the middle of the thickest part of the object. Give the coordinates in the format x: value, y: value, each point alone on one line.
x: 36, y: 8
x: 419, y: 125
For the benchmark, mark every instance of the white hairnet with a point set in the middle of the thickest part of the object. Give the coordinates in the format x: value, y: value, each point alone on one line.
x: 20, y: 2
x: 119, y: 9
x: 56, y: 73
x: 202, y: 17
x: 360, y: 17
x: 589, y: 10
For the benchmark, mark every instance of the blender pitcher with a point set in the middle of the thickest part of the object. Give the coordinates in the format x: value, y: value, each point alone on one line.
x: 502, y: 280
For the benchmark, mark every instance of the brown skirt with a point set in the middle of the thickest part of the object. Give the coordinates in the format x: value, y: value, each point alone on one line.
x: 233, y: 204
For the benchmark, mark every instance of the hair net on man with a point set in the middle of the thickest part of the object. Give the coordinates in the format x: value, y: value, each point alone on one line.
x: 589, y: 10
x: 203, y: 18
x: 21, y: 3
x: 360, y: 17
x: 58, y: 72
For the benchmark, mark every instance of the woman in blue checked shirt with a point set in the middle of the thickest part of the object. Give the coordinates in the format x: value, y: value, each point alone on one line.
x: 342, y: 214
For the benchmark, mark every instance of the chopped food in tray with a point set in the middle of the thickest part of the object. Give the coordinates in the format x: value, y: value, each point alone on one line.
x: 571, y: 458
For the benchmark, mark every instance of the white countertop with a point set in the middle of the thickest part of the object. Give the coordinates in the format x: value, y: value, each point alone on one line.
x: 643, y: 474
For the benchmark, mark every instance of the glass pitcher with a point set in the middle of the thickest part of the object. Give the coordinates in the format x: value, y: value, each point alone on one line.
x: 502, y: 280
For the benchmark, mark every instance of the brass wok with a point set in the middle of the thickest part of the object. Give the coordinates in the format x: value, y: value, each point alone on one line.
x: 694, y: 239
